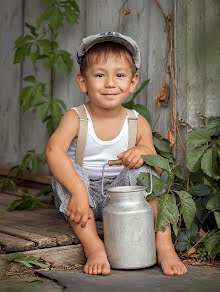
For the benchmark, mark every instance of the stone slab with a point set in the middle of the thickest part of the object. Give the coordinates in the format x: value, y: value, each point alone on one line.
x: 14, y: 285
x: 150, y: 279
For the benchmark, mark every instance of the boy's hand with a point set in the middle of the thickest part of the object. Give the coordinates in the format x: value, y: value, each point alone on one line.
x: 131, y: 158
x: 78, y: 209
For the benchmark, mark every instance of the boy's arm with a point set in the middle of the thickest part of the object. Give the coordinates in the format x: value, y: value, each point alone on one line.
x: 63, y: 170
x: 144, y: 145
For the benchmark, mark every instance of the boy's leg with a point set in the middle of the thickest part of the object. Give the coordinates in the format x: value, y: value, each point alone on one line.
x: 97, y: 262
x: 166, y: 254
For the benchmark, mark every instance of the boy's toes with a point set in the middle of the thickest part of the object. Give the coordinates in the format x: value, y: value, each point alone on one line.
x: 90, y: 269
x: 169, y: 271
x: 86, y: 269
x: 94, y: 269
x: 105, y: 269
x: 99, y: 269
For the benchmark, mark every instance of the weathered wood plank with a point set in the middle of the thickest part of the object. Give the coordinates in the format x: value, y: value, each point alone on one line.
x: 11, y: 243
x: 40, y: 240
x: 69, y: 39
x: 180, y: 58
x: 11, y: 28
x: 61, y: 256
x: 33, y: 133
x: 212, y: 57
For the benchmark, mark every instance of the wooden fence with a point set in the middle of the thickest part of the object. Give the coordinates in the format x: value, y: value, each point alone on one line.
x: 196, y: 52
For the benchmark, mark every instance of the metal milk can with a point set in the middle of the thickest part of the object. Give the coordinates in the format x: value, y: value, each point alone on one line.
x: 128, y: 224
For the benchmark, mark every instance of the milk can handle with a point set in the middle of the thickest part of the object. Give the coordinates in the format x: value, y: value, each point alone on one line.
x: 119, y: 162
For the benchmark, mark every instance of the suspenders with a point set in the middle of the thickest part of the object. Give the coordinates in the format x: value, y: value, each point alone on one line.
x: 81, y: 142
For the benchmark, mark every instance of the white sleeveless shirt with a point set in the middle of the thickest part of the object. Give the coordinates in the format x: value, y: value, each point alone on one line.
x: 98, y: 152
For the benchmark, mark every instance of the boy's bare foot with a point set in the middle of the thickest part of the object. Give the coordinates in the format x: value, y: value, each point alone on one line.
x: 97, y: 262
x: 170, y: 262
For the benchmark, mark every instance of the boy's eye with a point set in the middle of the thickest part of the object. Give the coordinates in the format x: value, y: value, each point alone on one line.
x: 120, y: 75
x: 99, y: 75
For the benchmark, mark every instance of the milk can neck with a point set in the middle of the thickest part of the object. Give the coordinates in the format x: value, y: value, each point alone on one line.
x: 126, y: 194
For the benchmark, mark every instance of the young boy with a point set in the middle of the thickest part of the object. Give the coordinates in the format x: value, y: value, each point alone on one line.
x: 108, y: 64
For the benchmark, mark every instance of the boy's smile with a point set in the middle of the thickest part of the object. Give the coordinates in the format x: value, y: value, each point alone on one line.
x: 108, y: 82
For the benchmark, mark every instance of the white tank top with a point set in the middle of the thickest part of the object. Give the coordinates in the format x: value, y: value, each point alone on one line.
x: 98, y: 152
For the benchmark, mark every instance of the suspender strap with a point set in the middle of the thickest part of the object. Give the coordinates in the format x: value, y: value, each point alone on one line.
x: 81, y: 142
x: 132, y: 128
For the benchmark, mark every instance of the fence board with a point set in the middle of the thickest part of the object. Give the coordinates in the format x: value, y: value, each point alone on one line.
x: 11, y: 27
x: 196, y: 64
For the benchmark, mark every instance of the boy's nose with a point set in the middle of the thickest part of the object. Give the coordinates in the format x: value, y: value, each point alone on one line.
x: 110, y: 82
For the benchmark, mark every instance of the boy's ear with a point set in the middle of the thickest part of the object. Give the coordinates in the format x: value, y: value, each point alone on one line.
x: 134, y: 82
x: 82, y: 82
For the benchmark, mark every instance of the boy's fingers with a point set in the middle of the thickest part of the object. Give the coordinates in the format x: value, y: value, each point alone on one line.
x: 84, y: 220
x: 77, y: 218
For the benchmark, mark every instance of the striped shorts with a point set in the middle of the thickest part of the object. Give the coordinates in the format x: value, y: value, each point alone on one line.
x: 97, y: 200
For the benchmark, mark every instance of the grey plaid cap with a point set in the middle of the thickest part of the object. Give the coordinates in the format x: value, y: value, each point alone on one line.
x: 116, y: 37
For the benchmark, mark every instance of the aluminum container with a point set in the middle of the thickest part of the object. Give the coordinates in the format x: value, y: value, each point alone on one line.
x: 128, y: 224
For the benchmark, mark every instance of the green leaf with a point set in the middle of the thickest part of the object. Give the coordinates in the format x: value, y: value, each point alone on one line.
x: 217, y: 218
x: 198, y: 137
x: 192, y: 231
x: 60, y: 101
x: 60, y: 64
x: 214, y: 203
x: 175, y: 228
x: 45, y: 190
x: 56, y: 113
x: 35, y: 164
x: 157, y: 160
x: 26, y: 93
x: 194, y: 157
x: 34, y: 281
x: 56, y: 19
x: 22, y: 52
x: 70, y: 15
x: 22, y: 40
x: 182, y: 236
x: 142, y: 110
x: 29, y: 261
x: 212, y: 243
x: 213, y: 126
x: 144, y: 180
x: 161, y: 143
x: 129, y: 104
x: 140, y: 89
x: 208, y: 163
x: 165, y: 178
x: 218, y: 146
x: 181, y: 246
x: 64, y: 61
x: 30, y: 78
x: 200, y: 190
x: 188, y: 207
x: 46, y: 45
x: 167, y: 212
x: 201, y: 212
x: 44, y: 112
x: 178, y: 171
x: 26, y: 160
x: 41, y: 157
x: 32, y: 29
x: 45, y: 16
x: 50, y: 126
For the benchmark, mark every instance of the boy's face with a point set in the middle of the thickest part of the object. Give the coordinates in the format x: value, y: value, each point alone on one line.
x: 108, y: 83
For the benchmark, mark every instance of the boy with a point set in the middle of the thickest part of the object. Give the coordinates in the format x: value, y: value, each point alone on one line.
x: 108, y: 64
